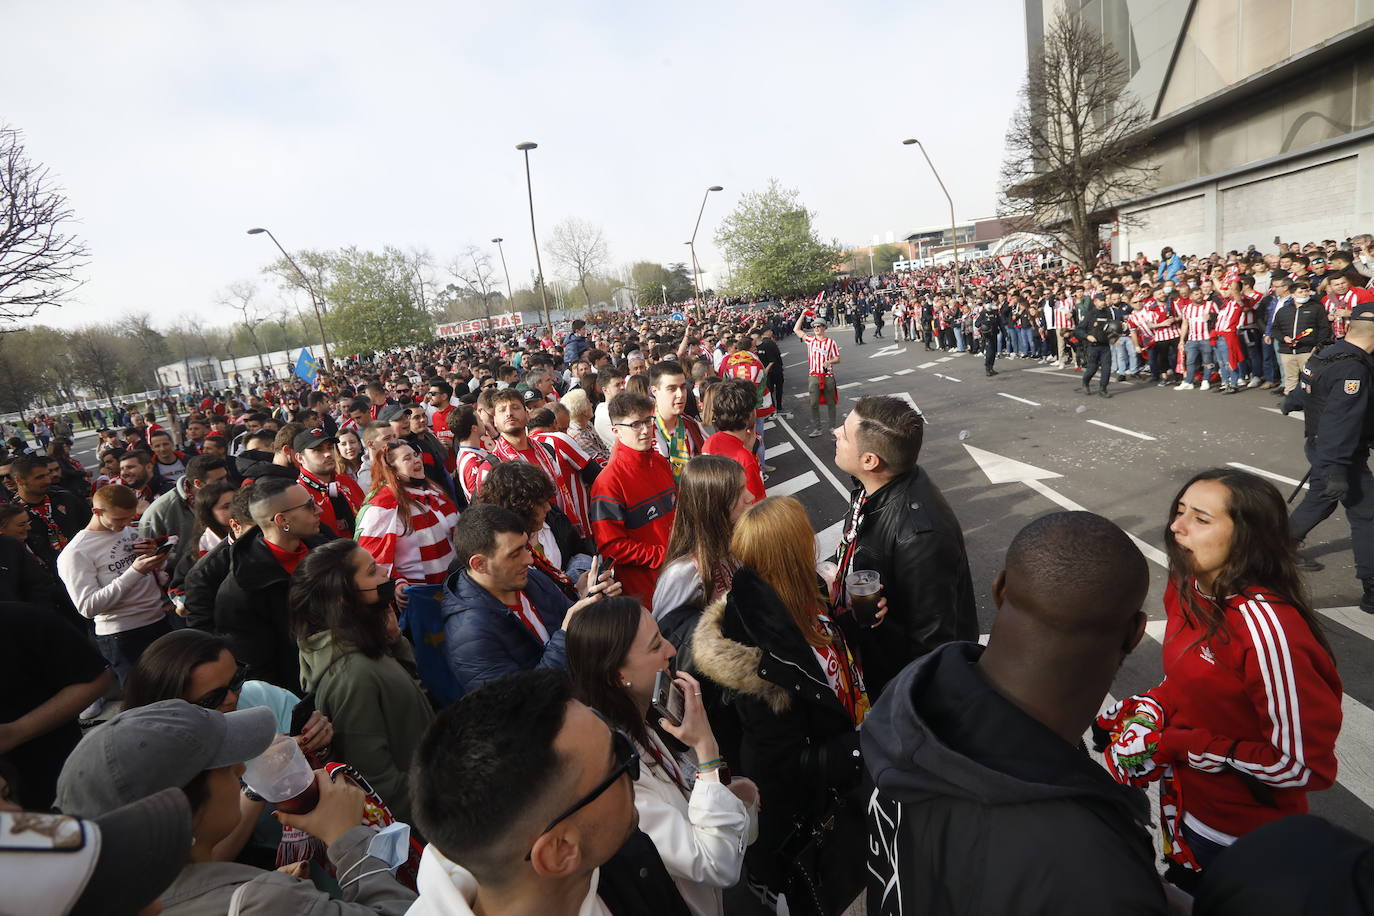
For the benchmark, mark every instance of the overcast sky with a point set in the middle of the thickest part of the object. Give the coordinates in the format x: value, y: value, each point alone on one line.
x: 176, y: 126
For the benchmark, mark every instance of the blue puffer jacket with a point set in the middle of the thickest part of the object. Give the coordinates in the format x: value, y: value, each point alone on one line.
x: 486, y: 641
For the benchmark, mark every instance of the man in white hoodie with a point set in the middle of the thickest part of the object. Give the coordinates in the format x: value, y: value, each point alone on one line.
x: 527, y: 799
x: 110, y: 573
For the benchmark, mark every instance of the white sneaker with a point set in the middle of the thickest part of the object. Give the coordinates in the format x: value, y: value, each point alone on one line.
x: 1205, y: 386
x: 1254, y: 383
x: 95, y: 709
x: 1186, y: 386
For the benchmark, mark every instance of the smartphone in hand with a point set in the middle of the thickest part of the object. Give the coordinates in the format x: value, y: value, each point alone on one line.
x: 668, y: 699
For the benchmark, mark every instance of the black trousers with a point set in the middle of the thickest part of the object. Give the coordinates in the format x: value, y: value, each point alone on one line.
x: 775, y: 388
x: 1163, y: 357
x: 858, y: 332
x: 1094, y: 358
x: 1359, y: 508
x: 989, y: 354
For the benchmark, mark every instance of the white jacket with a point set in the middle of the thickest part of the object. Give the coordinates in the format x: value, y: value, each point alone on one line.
x: 700, y: 838
x: 449, y: 889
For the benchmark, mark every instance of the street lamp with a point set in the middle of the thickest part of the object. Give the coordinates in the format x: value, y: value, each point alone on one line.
x: 309, y: 288
x: 509, y: 292
x: 953, y: 226
x: 696, y: 286
x: 529, y: 188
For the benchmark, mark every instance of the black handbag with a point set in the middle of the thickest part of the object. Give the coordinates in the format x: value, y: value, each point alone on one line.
x: 814, y: 877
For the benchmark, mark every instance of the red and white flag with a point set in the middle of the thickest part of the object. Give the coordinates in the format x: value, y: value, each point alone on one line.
x: 820, y: 296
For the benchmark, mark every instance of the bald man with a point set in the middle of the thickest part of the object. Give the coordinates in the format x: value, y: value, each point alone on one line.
x: 986, y: 800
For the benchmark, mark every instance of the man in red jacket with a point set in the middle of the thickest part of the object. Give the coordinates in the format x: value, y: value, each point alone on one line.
x: 634, y: 498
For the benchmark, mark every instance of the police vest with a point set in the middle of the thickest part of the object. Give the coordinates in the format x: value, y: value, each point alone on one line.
x: 1315, y: 395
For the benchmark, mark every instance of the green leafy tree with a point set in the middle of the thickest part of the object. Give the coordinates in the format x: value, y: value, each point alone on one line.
x: 773, y: 247
x: 648, y: 280
x: 372, y: 302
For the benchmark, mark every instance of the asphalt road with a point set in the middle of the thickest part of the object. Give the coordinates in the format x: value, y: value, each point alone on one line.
x: 1008, y: 449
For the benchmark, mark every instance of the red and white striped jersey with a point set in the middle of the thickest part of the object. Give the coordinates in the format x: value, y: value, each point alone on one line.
x: 574, y: 455
x: 560, y: 471
x: 1196, y: 316
x: 1063, y: 315
x: 819, y: 349
x: 421, y: 555
x: 473, y: 465
x: 1163, y: 311
x: 1333, y: 302
x: 745, y: 365
x: 1228, y: 316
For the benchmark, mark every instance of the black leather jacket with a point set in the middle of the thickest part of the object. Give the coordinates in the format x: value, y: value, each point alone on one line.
x: 910, y: 536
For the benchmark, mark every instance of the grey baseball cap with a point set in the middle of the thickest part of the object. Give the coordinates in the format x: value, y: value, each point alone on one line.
x: 160, y: 746
x: 112, y: 865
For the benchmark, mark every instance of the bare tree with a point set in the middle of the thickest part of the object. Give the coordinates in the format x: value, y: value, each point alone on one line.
x: 579, y: 250
x: 150, y: 343
x: 473, y: 269
x: 1076, y: 147
x: 39, y: 258
x: 241, y: 296
x: 98, y: 364
x: 421, y: 265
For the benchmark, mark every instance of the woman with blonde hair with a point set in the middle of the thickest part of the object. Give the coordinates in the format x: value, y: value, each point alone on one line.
x: 580, y: 413
x: 800, y: 698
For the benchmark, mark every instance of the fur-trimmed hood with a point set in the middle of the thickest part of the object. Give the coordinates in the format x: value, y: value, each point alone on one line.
x: 746, y: 642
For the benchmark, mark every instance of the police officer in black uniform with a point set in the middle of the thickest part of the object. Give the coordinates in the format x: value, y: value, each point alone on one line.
x: 1338, y: 422
x: 989, y: 325
x: 1097, y: 330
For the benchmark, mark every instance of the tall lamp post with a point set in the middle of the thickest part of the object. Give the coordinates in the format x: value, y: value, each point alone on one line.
x: 696, y: 284
x: 309, y: 288
x: 539, y: 266
x: 953, y: 226
x: 510, y: 293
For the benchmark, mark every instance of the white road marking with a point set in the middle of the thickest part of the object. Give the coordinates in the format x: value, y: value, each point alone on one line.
x: 848, y: 385
x: 827, y: 539
x: 1022, y: 400
x: 802, y: 395
x: 1059, y: 372
x: 794, y: 365
x: 1295, y: 415
x: 925, y: 365
x: 773, y: 451
x: 948, y: 378
x: 944, y: 359
x: 904, y: 371
x: 1123, y: 430
x: 769, y: 424
x: 880, y: 378
x: 820, y: 465
x: 788, y: 487
x: 1270, y: 474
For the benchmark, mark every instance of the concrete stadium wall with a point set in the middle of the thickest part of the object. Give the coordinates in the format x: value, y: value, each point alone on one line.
x: 1325, y: 195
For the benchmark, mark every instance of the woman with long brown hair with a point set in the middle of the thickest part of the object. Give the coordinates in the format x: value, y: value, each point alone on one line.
x: 800, y: 697
x: 1244, y: 724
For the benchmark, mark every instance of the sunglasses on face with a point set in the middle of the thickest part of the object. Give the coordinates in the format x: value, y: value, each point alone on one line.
x: 627, y: 761
x: 215, y: 698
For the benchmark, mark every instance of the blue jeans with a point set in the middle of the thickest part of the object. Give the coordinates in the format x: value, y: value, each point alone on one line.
x: 121, y: 650
x: 1229, y: 376
x: 959, y: 339
x: 1124, y: 358
x: 1197, y: 355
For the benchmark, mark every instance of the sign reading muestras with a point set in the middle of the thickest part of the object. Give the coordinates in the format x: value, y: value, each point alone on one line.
x: 477, y: 325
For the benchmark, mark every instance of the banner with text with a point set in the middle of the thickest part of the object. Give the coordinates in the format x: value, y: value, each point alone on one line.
x: 502, y: 322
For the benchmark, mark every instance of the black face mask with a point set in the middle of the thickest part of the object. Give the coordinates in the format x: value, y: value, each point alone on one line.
x: 386, y: 592
x: 418, y: 482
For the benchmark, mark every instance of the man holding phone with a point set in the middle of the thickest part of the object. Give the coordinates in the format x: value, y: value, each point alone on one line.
x: 110, y: 573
